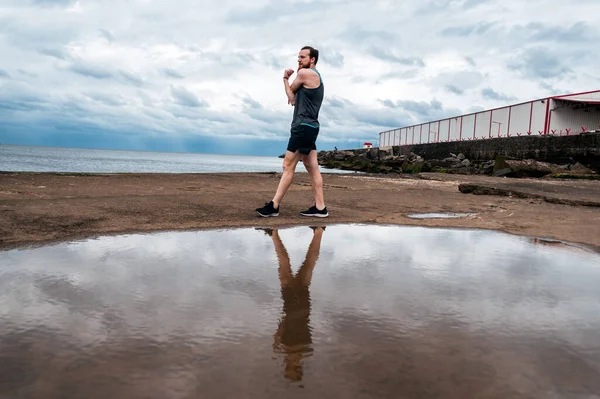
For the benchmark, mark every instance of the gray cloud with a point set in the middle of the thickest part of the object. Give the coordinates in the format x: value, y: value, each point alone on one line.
x: 420, y: 111
x: 270, y: 117
x: 59, y: 53
x: 380, y: 120
x: 493, y: 95
x: 335, y: 102
x: 357, y: 34
x: 53, y: 3
x: 398, y: 74
x: 21, y: 100
x: 251, y: 103
x: 470, y: 60
x: 418, y: 107
x: 443, y: 6
x: 276, y: 10
x: 550, y: 89
x: 579, y: 32
x: 130, y: 78
x: 463, y: 80
x: 107, y: 35
x: 454, y: 89
x: 343, y: 112
x: 274, y: 63
x: 474, y: 108
x: 467, y: 30
x: 27, y: 73
x: 534, y: 32
x: 110, y: 100
x: 539, y: 62
x: 74, y: 106
x: 17, y: 105
x: 391, y: 56
x: 331, y: 57
x: 172, y: 73
x: 3, y: 73
x: 186, y: 98
x: 89, y: 70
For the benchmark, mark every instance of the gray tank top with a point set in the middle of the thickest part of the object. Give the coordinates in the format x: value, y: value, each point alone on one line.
x: 308, y: 104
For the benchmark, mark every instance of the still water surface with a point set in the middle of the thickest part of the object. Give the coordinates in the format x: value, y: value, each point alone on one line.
x: 349, y: 311
x: 15, y: 158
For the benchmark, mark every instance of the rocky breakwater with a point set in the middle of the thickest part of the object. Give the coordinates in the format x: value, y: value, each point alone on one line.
x: 375, y: 160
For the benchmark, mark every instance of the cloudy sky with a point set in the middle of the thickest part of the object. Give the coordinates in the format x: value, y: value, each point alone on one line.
x: 205, y: 76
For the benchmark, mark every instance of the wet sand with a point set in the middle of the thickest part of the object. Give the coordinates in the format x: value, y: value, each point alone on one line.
x: 38, y: 208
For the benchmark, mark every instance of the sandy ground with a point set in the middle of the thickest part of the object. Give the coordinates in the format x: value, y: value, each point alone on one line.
x: 40, y: 208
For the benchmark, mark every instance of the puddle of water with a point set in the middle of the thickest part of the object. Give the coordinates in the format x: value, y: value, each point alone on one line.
x: 349, y: 311
x: 439, y: 215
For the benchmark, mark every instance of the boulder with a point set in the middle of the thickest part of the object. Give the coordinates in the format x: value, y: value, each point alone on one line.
x: 487, y: 168
x: 373, y: 153
x: 451, y: 160
x: 580, y: 169
x: 384, y: 153
x: 501, y: 172
x: 341, y: 155
x: 528, y: 168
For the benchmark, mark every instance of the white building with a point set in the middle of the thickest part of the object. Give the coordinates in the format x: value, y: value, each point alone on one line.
x: 559, y: 115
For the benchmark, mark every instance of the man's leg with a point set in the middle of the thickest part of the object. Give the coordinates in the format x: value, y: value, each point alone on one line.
x: 289, y: 167
x: 311, y: 163
x: 306, y: 270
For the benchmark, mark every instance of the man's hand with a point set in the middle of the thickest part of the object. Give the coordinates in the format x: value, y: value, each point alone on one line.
x: 288, y: 90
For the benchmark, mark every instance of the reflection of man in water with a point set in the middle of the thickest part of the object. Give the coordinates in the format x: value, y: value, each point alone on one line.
x: 293, y: 336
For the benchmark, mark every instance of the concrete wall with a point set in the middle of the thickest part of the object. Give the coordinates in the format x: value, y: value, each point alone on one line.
x: 584, y: 148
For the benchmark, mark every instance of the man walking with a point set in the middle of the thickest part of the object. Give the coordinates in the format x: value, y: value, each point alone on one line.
x: 306, y: 95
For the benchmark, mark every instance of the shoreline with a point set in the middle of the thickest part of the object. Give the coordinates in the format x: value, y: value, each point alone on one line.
x: 45, y: 208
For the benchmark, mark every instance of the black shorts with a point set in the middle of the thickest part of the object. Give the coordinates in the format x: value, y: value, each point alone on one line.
x: 303, y: 138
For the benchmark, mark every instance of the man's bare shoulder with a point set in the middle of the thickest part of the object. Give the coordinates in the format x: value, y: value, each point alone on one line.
x: 307, y: 72
x: 308, y: 77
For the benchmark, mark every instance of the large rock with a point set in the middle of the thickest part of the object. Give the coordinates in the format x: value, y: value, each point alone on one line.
x: 341, y: 155
x: 373, y: 153
x: 383, y: 154
x: 520, y: 168
x: 580, y: 169
x: 528, y: 168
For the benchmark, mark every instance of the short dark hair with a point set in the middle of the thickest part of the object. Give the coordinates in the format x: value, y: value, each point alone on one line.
x: 313, y: 53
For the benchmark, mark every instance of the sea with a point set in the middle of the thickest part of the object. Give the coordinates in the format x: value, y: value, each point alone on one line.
x: 15, y: 158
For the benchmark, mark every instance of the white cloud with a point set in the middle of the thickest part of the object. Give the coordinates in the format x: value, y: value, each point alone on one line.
x: 213, y: 68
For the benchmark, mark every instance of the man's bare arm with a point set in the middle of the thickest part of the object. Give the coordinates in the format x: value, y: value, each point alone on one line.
x: 291, y: 89
x: 289, y: 92
x: 300, y: 80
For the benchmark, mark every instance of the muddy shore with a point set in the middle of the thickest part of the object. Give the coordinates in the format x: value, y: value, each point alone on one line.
x: 40, y: 208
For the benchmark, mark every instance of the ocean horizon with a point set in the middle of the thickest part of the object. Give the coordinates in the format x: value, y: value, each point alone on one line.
x: 21, y: 158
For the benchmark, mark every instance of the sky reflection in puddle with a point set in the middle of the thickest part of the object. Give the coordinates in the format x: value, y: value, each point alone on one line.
x: 344, y: 311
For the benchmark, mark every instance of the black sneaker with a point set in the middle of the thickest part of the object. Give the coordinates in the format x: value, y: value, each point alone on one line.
x: 268, y: 210
x: 313, y: 211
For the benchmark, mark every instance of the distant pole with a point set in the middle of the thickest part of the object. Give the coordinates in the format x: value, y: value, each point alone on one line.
x: 499, y: 123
